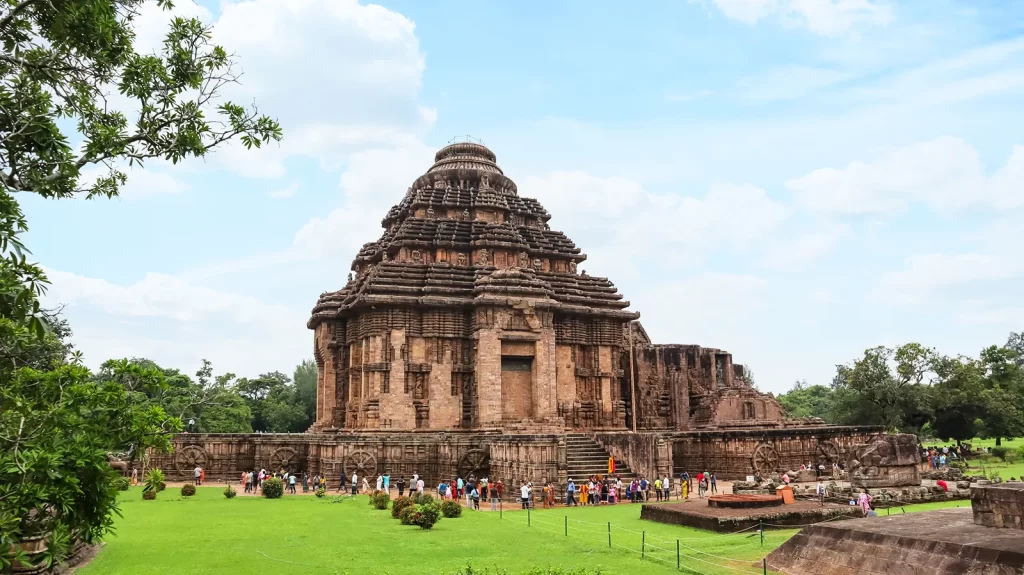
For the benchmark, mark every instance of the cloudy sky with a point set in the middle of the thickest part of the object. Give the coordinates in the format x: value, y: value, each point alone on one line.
x: 791, y: 180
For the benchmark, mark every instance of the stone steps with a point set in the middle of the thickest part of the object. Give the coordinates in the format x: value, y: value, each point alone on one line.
x: 585, y: 457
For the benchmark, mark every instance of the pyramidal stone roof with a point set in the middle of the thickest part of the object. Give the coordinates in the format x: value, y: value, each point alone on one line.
x: 463, y: 235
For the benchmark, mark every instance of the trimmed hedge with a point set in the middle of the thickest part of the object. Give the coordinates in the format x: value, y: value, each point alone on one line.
x: 451, y: 509
x: 188, y: 490
x: 273, y: 488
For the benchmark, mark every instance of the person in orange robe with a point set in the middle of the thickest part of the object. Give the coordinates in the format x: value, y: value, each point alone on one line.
x: 611, y: 465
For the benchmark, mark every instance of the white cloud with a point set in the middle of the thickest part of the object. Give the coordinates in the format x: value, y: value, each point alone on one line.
x: 927, y: 275
x: 825, y: 17
x: 286, y: 192
x: 946, y: 173
x: 804, y: 249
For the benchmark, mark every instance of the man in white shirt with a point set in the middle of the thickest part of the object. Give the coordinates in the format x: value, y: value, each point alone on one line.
x: 355, y: 483
x: 524, y: 494
x: 419, y: 486
x: 666, y: 488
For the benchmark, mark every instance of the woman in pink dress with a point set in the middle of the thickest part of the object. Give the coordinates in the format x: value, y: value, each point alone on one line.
x: 864, y: 500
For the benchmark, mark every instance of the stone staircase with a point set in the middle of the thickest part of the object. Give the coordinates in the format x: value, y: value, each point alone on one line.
x: 585, y: 457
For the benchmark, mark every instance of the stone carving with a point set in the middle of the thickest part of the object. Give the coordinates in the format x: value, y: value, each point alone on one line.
x: 361, y: 462
x: 524, y: 260
x: 190, y: 457
x: 887, y: 461
x: 461, y: 259
x: 384, y: 257
x: 430, y: 212
x: 417, y: 257
x: 117, y: 463
x: 572, y: 267
x: 475, y: 462
x: 765, y: 459
x: 537, y: 265
x: 465, y: 215
x: 438, y: 184
x: 283, y: 458
x: 484, y: 258
x: 351, y: 276
x: 829, y: 453
x: 485, y: 182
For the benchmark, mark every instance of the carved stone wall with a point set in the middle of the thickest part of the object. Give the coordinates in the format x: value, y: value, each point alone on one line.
x: 885, y: 461
x: 647, y: 454
x: 734, y: 454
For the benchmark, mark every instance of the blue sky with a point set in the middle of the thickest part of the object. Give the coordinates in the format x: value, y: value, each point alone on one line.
x: 791, y: 180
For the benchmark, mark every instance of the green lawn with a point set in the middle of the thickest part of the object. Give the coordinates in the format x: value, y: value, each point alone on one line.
x: 990, y: 464
x: 301, y: 535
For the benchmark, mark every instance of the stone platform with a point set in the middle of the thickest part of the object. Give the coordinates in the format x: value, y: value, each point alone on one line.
x: 696, y: 513
x: 944, y: 542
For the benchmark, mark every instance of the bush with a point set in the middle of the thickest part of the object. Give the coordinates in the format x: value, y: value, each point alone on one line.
x: 154, y: 483
x: 122, y: 483
x: 320, y: 492
x: 399, y: 504
x: 380, y: 500
x: 230, y: 492
x: 958, y: 464
x: 424, y: 499
x: 1001, y: 451
x: 188, y: 490
x: 427, y: 515
x: 273, y: 488
x: 451, y: 509
x: 407, y: 514
x: 149, y: 495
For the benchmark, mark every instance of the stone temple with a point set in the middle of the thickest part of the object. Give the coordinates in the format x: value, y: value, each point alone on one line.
x: 469, y: 339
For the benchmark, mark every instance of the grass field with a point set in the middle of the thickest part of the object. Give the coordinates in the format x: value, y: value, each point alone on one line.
x: 1006, y: 470
x: 209, y: 534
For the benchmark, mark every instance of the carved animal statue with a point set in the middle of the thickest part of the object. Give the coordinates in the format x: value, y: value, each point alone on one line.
x: 121, y: 466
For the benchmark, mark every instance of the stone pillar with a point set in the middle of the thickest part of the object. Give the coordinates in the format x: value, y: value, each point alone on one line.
x: 545, y: 389
x: 488, y: 378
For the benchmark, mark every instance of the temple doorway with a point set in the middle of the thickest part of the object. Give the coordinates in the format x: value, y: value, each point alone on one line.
x: 516, y: 387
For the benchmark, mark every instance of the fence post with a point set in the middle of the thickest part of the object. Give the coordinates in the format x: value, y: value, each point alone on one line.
x: 764, y: 565
x: 643, y: 543
x: 609, y: 534
x: 527, y: 514
x: 566, y: 525
x: 499, y: 508
x: 677, y: 554
x: 760, y: 528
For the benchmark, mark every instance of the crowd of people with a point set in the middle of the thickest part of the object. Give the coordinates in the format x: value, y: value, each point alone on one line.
x: 940, y: 457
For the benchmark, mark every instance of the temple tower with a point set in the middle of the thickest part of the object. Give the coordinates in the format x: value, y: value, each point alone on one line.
x: 469, y: 312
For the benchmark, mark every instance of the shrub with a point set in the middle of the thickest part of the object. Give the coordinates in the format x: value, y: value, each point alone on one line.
x: 399, y: 504
x: 122, y: 483
x: 273, y: 488
x: 380, y: 500
x: 451, y: 509
x: 154, y: 483
x: 424, y: 499
x: 230, y: 492
x: 958, y: 464
x: 1001, y: 451
x: 320, y: 492
x: 149, y: 495
x: 407, y: 514
x: 427, y: 515
x: 188, y: 490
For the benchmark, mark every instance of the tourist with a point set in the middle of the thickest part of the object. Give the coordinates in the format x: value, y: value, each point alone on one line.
x: 685, y: 478
x: 441, y: 489
x: 864, y: 500
x: 419, y: 486
x: 702, y: 486
x: 657, y: 489
x: 941, y: 483
x: 492, y: 489
x: 643, y: 488
x: 243, y: 479
x: 401, y: 486
x: 459, y: 486
x: 202, y: 475
x: 785, y: 478
x: 570, y: 493
x: 613, y: 496
x: 820, y: 491
x: 366, y: 485
x: 196, y: 473
x: 501, y: 488
x: 380, y: 482
x: 666, y: 486
x: 355, y: 483
x: 291, y: 483
x: 684, y: 490
x: 475, y: 496
x: 387, y: 483
x: 524, y: 494
x: 342, y: 481
x: 714, y: 483
x: 584, y: 493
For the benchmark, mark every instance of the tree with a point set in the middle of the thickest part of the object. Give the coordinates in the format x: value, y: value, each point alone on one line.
x: 1002, y: 393
x: 56, y: 427
x: 808, y: 401
x: 958, y: 398
x: 275, y: 403
x: 888, y: 386
x: 305, y: 386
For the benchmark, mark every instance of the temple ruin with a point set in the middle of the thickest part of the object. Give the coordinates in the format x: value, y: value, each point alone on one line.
x: 468, y: 339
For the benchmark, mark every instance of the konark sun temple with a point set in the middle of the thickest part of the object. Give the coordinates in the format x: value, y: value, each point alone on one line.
x: 469, y: 340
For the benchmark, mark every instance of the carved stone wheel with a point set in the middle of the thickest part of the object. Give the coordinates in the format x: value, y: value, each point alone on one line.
x: 283, y: 458
x: 476, y: 462
x: 829, y: 451
x: 765, y: 459
x: 186, y: 459
x: 363, y: 463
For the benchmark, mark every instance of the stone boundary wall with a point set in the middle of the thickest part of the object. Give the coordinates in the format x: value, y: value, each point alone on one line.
x: 999, y: 505
x: 647, y: 454
x: 731, y: 454
x: 536, y: 458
